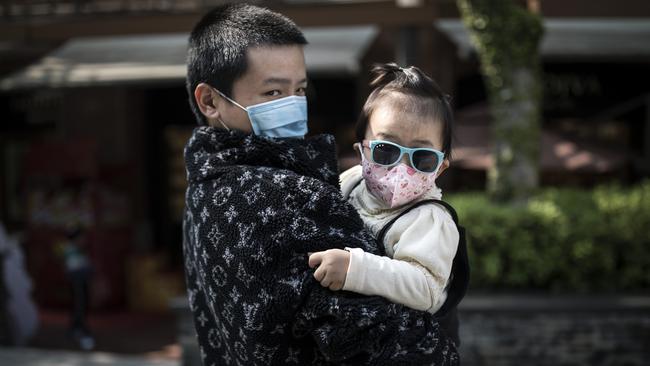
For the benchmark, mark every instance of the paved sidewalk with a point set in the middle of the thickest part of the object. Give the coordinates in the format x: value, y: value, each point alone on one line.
x: 39, y: 357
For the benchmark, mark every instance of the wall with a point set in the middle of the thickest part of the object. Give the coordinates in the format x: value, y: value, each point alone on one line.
x: 520, y: 330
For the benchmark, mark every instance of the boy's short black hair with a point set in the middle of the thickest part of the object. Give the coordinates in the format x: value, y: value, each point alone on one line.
x: 218, y: 43
x: 408, y: 88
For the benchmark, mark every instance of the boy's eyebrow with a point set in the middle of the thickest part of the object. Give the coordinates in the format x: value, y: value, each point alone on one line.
x: 282, y: 81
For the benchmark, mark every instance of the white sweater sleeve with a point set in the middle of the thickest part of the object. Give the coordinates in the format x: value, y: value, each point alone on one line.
x: 426, y: 241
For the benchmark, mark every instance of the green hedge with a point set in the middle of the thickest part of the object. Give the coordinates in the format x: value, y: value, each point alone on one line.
x: 564, y: 240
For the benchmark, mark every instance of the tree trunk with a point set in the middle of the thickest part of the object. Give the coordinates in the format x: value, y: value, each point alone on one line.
x: 507, y: 38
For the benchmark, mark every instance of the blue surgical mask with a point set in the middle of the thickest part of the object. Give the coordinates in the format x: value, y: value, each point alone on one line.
x: 284, y: 117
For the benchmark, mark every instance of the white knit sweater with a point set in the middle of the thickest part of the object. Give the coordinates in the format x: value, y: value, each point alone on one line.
x: 421, y: 246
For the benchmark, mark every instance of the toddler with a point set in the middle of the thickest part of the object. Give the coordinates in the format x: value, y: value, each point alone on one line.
x: 404, y: 138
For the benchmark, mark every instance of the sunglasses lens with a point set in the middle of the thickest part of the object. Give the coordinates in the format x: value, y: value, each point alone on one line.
x: 385, y: 154
x: 425, y: 161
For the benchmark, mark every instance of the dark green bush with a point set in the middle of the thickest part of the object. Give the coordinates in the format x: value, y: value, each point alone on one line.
x: 563, y: 240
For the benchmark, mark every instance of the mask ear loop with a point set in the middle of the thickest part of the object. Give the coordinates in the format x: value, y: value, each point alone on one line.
x: 223, y: 124
x: 231, y: 101
x: 359, y: 146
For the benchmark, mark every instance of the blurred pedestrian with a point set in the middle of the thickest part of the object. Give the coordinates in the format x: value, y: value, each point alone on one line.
x: 21, y: 312
x: 79, y: 270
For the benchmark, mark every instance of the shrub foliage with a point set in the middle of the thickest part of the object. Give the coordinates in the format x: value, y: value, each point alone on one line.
x: 563, y: 240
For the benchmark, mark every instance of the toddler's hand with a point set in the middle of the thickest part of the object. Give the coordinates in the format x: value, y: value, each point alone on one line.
x: 332, y: 267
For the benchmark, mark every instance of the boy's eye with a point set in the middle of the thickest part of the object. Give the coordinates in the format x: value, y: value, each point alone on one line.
x: 301, y: 91
x: 273, y: 93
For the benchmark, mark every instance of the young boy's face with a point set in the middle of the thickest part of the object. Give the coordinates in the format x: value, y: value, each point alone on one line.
x: 273, y: 72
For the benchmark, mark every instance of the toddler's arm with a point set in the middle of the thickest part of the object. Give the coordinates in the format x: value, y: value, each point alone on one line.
x: 426, y: 243
x: 400, y: 281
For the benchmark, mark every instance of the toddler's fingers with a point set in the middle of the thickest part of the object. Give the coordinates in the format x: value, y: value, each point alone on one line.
x: 326, y: 282
x: 315, y: 259
x: 336, y: 285
x: 320, y: 273
x: 331, y: 281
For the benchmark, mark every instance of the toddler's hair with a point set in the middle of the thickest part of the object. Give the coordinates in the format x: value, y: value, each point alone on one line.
x: 411, y: 90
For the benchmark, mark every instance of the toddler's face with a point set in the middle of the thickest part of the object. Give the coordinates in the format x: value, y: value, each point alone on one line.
x: 405, y: 128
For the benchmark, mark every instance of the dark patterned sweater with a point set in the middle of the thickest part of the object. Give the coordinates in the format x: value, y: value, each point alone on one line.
x: 254, y: 208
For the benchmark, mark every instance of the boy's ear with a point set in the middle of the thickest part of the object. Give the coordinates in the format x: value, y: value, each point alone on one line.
x: 208, y: 101
x: 445, y: 164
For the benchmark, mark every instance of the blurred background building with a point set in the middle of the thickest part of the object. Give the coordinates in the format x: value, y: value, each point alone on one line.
x: 94, y: 115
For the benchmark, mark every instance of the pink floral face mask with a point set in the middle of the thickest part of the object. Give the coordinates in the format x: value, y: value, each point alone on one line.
x: 398, y: 184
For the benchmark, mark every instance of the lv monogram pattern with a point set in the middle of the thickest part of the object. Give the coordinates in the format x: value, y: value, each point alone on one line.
x: 254, y: 208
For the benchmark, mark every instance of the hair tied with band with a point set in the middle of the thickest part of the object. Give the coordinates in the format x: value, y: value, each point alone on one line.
x: 384, y: 74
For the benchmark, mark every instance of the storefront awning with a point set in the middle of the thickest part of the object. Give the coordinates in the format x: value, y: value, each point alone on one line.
x: 559, y: 152
x: 591, y: 39
x: 161, y: 58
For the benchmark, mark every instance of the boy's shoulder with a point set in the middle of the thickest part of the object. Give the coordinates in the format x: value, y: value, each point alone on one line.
x: 243, y: 174
x: 270, y: 183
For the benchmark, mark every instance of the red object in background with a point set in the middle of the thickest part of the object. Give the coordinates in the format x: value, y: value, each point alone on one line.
x: 62, y: 159
x: 63, y: 190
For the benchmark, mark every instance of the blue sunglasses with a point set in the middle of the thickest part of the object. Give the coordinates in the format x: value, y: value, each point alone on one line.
x: 388, y: 153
